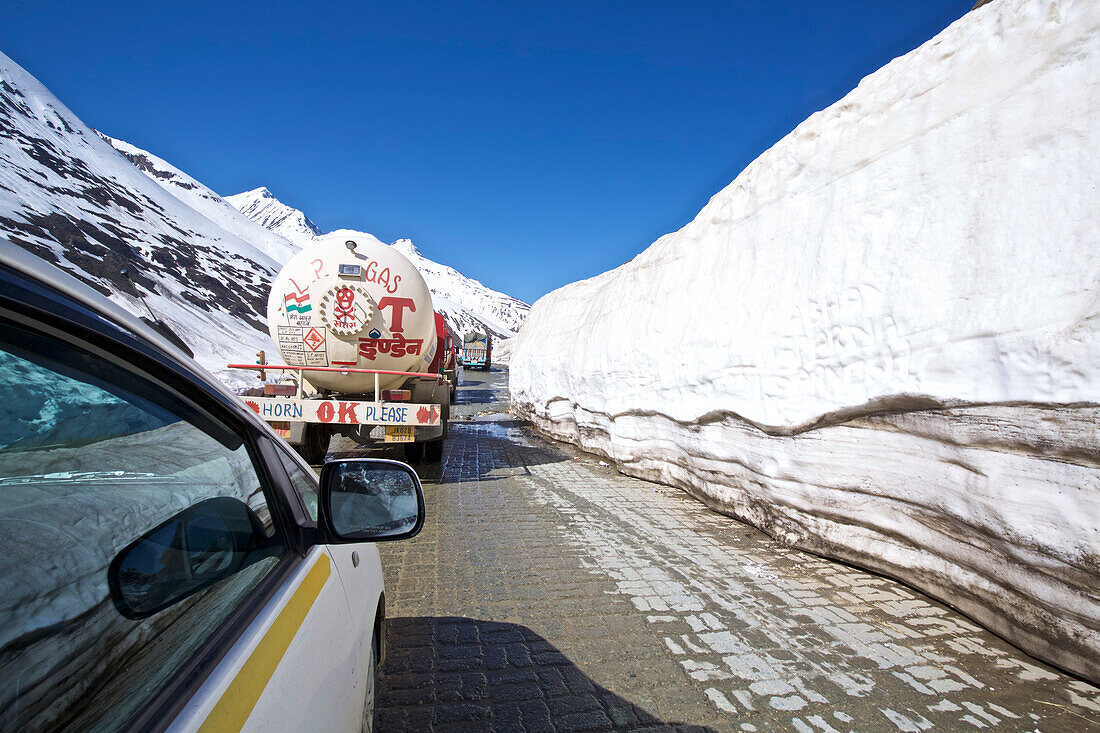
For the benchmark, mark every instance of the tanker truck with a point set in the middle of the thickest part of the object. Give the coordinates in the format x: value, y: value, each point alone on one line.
x: 353, y: 323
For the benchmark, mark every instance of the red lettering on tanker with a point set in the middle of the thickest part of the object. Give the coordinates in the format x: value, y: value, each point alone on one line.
x: 326, y: 412
x: 382, y: 277
x: 347, y: 413
x: 398, y: 313
x: 396, y: 346
x: 344, y: 313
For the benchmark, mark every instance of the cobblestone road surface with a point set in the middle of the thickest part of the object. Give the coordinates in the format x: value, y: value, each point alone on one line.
x: 548, y: 592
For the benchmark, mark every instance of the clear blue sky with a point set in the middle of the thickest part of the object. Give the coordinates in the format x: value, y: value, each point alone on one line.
x: 528, y: 144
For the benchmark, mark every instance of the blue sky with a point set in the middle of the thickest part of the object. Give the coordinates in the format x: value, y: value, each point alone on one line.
x: 526, y: 144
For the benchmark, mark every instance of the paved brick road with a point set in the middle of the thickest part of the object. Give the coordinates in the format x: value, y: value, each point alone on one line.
x: 548, y: 592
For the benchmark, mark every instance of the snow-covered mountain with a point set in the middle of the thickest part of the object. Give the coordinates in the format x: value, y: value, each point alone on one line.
x: 69, y: 197
x: 206, y: 202
x: 881, y: 342
x: 464, y: 302
x: 467, y: 304
x: 261, y: 206
x: 153, y: 238
x: 281, y: 230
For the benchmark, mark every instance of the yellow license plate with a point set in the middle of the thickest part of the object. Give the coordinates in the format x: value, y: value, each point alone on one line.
x: 282, y: 429
x: 399, y: 434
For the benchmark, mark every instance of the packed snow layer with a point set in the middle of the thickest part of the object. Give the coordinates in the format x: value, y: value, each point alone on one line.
x: 502, y: 351
x: 880, y: 342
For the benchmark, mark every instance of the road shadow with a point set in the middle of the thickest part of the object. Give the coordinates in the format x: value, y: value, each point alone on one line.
x: 454, y: 673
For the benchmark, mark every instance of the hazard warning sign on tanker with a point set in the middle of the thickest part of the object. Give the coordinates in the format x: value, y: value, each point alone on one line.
x: 302, y: 347
x: 314, y: 340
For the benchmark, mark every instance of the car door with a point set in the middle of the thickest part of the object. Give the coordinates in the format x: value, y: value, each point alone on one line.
x: 297, y: 667
x: 358, y: 564
x: 96, y: 456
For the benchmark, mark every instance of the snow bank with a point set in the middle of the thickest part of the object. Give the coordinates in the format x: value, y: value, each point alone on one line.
x: 880, y: 341
x: 502, y: 351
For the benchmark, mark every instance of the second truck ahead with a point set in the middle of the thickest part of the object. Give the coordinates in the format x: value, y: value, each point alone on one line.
x: 363, y: 352
x: 477, y: 350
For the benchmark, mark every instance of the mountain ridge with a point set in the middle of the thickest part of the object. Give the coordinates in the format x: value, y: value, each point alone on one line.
x: 261, y: 206
x: 72, y: 199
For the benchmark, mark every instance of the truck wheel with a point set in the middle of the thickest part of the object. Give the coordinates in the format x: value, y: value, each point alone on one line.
x: 433, y: 451
x: 453, y: 392
x: 314, y: 444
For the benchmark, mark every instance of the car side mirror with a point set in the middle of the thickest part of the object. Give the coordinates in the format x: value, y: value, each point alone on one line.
x: 201, y: 545
x: 370, y: 500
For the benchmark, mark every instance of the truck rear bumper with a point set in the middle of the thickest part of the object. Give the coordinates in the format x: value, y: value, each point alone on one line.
x: 345, y: 412
x: 367, y: 435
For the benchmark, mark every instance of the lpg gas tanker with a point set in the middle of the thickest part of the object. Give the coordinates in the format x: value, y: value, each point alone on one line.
x: 363, y: 351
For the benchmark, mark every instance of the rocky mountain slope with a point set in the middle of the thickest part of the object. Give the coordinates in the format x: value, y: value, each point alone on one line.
x: 881, y: 341
x: 69, y: 197
x: 465, y: 302
x: 205, y: 201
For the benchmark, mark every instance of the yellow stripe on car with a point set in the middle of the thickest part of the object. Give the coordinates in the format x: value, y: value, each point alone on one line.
x: 237, y: 701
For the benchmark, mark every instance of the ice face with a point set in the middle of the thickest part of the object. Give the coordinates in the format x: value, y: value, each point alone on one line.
x: 925, y: 249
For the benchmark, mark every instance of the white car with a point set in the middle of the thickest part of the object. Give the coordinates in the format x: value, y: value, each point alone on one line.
x: 167, y: 562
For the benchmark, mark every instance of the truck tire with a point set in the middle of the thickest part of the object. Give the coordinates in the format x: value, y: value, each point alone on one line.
x: 314, y: 444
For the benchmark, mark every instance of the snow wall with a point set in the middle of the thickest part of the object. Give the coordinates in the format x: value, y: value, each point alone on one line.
x: 879, y: 343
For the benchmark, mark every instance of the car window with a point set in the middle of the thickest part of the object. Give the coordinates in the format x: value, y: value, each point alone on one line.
x: 92, y: 459
x: 304, y: 483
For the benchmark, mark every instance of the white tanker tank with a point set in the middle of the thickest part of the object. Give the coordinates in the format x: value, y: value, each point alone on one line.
x: 340, y: 312
x: 354, y: 303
